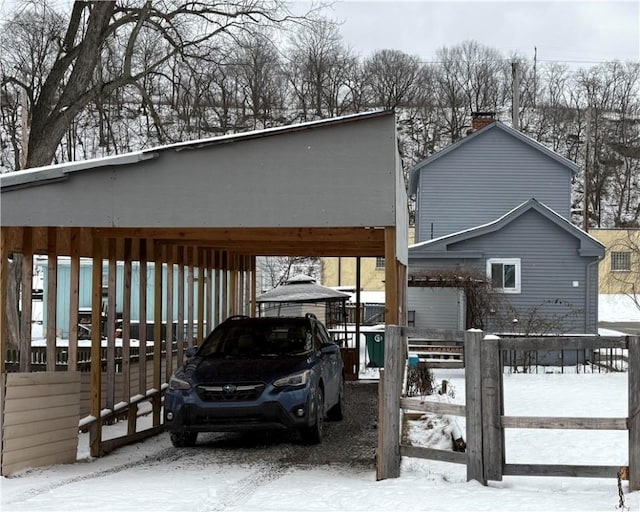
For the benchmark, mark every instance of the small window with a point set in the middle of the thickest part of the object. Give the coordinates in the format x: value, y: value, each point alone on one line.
x: 379, y: 262
x: 620, y: 261
x: 504, y: 274
x: 411, y: 318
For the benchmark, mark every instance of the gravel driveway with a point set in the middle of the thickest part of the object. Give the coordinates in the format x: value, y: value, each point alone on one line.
x: 350, y: 442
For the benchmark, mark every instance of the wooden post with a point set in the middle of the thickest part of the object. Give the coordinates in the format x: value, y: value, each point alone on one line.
x: 492, y: 408
x: 142, y: 323
x: 388, y: 461
x: 209, y: 281
x: 180, y: 329
x: 190, y: 296
x: 169, y: 258
x: 473, y: 389
x: 95, y: 434
x: 254, y: 285
x: 74, y: 299
x: 634, y: 413
x: 4, y: 268
x: 157, y: 332
x: 224, y: 262
x: 27, y: 289
x: 52, y: 297
x: 126, y: 335
x: 391, y: 277
x: 111, y: 325
x: 218, y: 287
x: 201, y: 289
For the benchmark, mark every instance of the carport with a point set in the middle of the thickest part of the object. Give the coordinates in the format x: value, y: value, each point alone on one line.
x: 204, y: 209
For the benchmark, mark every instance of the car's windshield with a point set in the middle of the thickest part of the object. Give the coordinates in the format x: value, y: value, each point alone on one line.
x: 258, y: 339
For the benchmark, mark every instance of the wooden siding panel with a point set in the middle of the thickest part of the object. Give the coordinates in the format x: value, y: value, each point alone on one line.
x: 39, y: 419
x: 484, y: 179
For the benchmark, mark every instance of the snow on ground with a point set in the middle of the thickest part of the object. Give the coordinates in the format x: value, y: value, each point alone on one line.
x: 154, y: 476
x: 617, y: 308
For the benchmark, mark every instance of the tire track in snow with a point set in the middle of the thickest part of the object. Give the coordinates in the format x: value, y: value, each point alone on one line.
x: 239, y: 492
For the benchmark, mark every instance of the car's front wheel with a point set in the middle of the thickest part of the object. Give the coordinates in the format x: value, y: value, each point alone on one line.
x: 313, y: 433
x: 183, y: 439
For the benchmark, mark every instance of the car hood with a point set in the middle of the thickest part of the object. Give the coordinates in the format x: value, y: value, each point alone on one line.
x: 264, y: 369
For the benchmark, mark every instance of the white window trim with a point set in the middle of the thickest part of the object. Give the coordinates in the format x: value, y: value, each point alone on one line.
x: 506, y: 261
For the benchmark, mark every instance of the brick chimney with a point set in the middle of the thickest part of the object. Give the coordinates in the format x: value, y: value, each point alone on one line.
x: 481, y: 119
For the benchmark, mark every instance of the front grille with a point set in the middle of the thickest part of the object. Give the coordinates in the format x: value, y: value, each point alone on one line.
x: 230, y: 392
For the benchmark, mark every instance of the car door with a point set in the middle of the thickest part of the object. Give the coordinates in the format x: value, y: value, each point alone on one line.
x: 331, y: 370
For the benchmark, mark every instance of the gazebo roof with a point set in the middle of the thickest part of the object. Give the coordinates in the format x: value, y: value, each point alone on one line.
x: 301, y: 288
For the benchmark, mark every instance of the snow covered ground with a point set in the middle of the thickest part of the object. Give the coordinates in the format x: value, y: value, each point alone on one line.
x: 154, y: 476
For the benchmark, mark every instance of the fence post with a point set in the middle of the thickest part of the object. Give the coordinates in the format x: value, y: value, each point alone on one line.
x: 473, y: 389
x: 388, y: 456
x: 634, y: 412
x: 492, y: 408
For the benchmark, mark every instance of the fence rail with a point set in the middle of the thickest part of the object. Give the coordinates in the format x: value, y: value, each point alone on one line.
x: 484, y: 408
x: 38, y: 357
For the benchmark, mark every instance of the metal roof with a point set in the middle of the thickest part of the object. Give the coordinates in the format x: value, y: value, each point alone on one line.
x: 302, y: 289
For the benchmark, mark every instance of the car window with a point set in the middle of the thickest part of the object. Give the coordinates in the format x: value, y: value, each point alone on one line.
x: 258, y: 338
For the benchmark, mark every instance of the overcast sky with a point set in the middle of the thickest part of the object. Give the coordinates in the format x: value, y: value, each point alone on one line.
x: 585, y: 31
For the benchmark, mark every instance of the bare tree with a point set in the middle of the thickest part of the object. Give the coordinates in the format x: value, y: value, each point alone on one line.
x: 394, y: 78
x: 70, y: 82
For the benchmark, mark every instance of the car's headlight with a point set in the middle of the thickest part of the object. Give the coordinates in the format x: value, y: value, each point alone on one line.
x: 179, y: 384
x: 295, y: 380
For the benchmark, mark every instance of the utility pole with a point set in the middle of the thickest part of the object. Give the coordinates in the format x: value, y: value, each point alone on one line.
x: 515, y: 103
x: 585, y: 200
x: 535, y: 75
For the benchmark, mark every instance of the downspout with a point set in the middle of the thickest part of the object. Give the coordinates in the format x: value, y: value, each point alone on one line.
x: 586, y: 297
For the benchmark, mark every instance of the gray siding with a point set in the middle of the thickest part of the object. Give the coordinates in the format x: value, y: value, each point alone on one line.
x: 550, y: 265
x: 436, y: 308
x: 482, y: 180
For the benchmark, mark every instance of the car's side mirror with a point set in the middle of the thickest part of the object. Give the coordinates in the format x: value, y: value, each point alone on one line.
x: 191, y: 351
x: 329, y: 348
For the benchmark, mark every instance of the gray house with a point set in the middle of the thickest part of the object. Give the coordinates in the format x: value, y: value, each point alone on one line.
x: 495, y: 247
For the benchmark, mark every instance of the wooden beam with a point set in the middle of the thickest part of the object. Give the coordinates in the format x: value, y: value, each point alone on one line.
x: 564, y: 423
x: 253, y: 235
x: 473, y: 392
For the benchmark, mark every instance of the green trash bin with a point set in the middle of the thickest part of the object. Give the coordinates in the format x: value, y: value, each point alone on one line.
x: 375, y: 348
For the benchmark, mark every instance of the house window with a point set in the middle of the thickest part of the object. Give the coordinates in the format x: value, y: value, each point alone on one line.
x: 504, y: 274
x: 379, y: 262
x: 620, y: 261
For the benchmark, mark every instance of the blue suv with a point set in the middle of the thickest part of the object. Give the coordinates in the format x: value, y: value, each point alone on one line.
x: 257, y: 374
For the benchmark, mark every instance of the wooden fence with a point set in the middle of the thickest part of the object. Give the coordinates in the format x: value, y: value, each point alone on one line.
x: 484, y: 408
